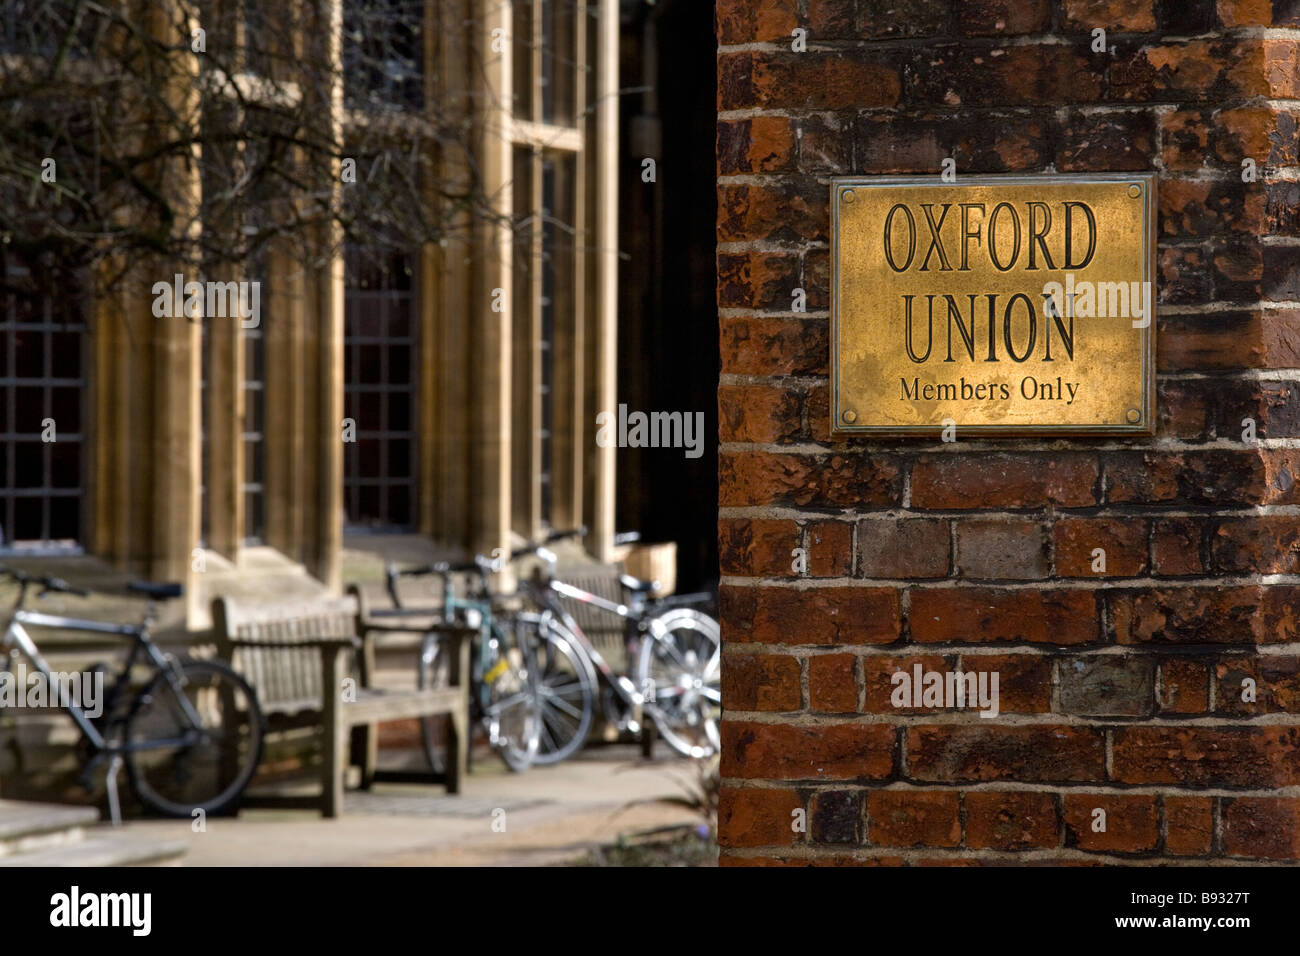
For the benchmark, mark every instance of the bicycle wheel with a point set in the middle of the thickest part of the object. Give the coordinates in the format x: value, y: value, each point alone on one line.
x: 679, y: 670
x: 510, y: 694
x: 193, y: 738
x: 567, y: 683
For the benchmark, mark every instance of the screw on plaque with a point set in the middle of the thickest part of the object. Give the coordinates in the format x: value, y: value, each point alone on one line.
x: 1135, y: 190
x: 1134, y: 416
x: 849, y: 416
x: 848, y: 195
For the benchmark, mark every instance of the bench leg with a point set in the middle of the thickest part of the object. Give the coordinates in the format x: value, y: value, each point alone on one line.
x: 365, y: 747
x: 334, y: 765
x: 456, y: 751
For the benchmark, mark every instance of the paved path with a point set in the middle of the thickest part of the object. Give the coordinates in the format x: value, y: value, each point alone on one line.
x: 550, y: 815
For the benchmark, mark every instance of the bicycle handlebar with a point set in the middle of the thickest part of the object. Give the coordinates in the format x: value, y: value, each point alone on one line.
x: 46, y: 582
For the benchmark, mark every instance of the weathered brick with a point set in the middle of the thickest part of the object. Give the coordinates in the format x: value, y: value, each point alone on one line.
x: 913, y: 818
x: 1276, y: 685
x: 825, y: 143
x: 758, y: 280
x: 1176, y: 547
x: 758, y: 413
x: 1184, y: 686
x: 755, y: 345
x: 902, y: 18
x: 1128, y: 16
x: 1260, y: 544
x: 1011, y: 820
x: 1264, y: 828
x: 984, y: 615
x: 972, y: 480
x: 1217, y: 69
x: 754, y: 21
x: 1001, y: 548
x: 1024, y: 680
x: 1106, y: 686
x: 1189, y: 615
x: 827, y: 751
x: 1115, y: 140
x: 1184, y: 275
x: 903, y: 548
x: 1003, y: 17
x: 837, y: 816
x: 1023, y: 75
x: 978, y: 752
x: 830, y: 549
x: 1189, y: 825
x: 761, y: 682
x: 780, y: 211
x: 774, y: 81
x: 757, y: 547
x: 832, y: 685
x: 1207, y: 756
x: 1132, y: 823
x: 816, y: 616
x: 877, y: 678
x: 828, y: 481
x: 1123, y: 541
x: 761, y: 144
x: 753, y: 816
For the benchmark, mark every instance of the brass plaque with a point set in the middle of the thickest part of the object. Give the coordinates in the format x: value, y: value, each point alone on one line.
x: 995, y: 304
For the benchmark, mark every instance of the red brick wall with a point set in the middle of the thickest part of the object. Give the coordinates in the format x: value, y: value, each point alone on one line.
x: 1119, y: 691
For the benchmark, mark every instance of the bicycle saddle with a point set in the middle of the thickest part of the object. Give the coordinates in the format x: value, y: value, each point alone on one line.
x: 156, y: 589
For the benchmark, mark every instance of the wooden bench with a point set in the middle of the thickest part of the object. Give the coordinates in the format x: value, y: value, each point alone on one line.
x: 289, y: 651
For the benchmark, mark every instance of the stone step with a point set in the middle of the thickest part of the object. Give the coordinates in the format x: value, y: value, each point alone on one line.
x: 103, y: 847
x: 25, y: 827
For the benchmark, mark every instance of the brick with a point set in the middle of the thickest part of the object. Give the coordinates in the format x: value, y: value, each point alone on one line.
x: 832, y: 685
x: 1186, y: 17
x: 1250, y: 13
x: 1189, y: 825
x: 769, y: 682
x: 759, y: 280
x: 1207, y: 756
x: 1186, y: 138
x: 1176, y: 547
x: 1106, y: 686
x: 1027, y: 754
x: 1227, y: 340
x: 1260, y: 544
x: 970, y: 480
x: 1184, y: 686
x: 826, y: 751
x: 816, y: 616
x: 1048, y: 74
x: 755, y: 345
x: 837, y: 816
x: 980, y: 142
x: 1277, y: 685
x: 754, y: 21
x: 1132, y: 822
x: 1011, y: 820
x: 830, y: 549
x: 1227, y: 477
x: 831, y: 481
x: 758, y: 413
x: 877, y: 679
x: 832, y: 19
x: 1262, y: 828
x: 1114, y: 16
x: 903, y: 548
x: 902, y: 18
x: 1199, y: 208
x: 1184, y: 276
x: 1123, y: 541
x: 1115, y: 140
x: 752, y: 816
x: 1024, y: 680
x: 1003, y: 17
x: 785, y: 211
x: 816, y: 278
x: 1199, y: 70
x: 1191, y: 615
x: 777, y: 81
x: 762, y: 144
x: 1002, y: 548
x: 909, y: 818
x: 1273, y: 407
x: 757, y: 547
x: 983, y: 615
x: 825, y: 143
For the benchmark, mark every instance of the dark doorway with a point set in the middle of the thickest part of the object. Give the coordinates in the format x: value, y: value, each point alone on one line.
x: 668, y: 319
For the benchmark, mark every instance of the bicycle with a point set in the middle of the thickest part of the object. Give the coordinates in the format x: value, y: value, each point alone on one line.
x: 676, y: 678
x: 512, y: 671
x: 179, y: 760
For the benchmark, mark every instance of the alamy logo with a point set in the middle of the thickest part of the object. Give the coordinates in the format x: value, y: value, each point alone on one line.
x: 133, y: 910
x: 213, y: 300
x: 37, y: 690
x: 946, y: 689
x: 655, y: 430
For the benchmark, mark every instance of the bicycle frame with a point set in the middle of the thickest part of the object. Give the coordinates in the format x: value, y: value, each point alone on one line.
x: 622, y: 686
x: 17, y: 639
